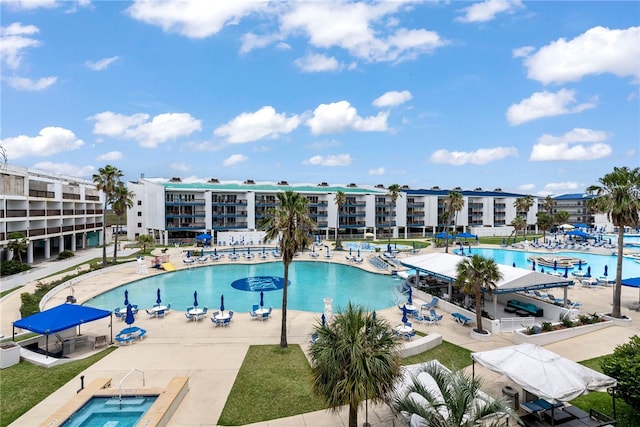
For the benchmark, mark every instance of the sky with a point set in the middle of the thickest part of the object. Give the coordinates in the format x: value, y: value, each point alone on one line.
x: 536, y: 97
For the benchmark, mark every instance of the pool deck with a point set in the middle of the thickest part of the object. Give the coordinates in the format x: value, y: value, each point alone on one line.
x: 211, y: 357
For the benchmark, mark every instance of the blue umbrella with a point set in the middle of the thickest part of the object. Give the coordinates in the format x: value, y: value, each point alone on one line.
x: 261, y: 299
x: 566, y: 272
x: 158, y: 300
x: 323, y: 319
x: 555, y: 264
x: 580, y: 264
x: 588, y: 271
x: 374, y: 315
x: 129, y: 319
x: 409, y: 300
x: 222, y: 303
x: 248, y: 251
x: 542, y: 270
x: 389, y: 248
x: 126, y: 297
x: 188, y: 254
x: 234, y: 250
x: 358, y: 253
x: 533, y: 265
x: 606, y: 270
x: 215, y: 251
x: 350, y: 249
x: 195, y: 298
x: 514, y: 264
x: 395, y: 245
x: 404, y: 314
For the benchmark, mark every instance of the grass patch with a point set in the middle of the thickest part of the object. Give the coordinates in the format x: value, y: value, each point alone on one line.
x: 269, y: 371
x: 450, y: 355
x: 626, y: 415
x: 8, y: 291
x: 25, y: 385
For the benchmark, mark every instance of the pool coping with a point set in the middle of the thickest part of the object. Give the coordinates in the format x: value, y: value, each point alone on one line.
x: 158, y: 415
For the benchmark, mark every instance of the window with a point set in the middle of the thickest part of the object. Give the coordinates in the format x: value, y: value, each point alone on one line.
x: 139, y: 202
x: 139, y: 225
x: 139, y: 213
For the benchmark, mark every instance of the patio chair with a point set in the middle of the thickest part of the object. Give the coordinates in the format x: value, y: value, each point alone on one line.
x: 226, y: 322
x: 314, y: 338
x: 168, y: 308
x: 255, y: 307
x: 409, y: 335
x: 188, y: 316
x: 461, y: 318
x: 160, y: 313
x: 253, y: 315
x: 265, y: 316
x: 151, y: 313
x: 435, y: 317
x: 216, y: 322
x: 432, y: 304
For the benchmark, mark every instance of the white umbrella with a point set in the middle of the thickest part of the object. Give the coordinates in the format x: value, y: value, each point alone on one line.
x: 567, y: 227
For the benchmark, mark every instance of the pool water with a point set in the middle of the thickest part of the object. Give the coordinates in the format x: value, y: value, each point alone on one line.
x: 310, y: 283
x: 111, y: 411
x: 597, y: 263
x: 370, y: 247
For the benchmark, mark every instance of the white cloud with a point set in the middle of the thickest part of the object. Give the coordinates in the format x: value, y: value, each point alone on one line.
x: 264, y: 123
x: 341, y: 116
x: 577, y: 144
x: 559, y: 187
x: 479, y: 157
x: 110, y: 156
x: 599, y: 50
x: 31, y: 4
x: 66, y: 169
x: 392, y: 99
x: 364, y: 30
x: 162, y: 128
x: 526, y: 187
x: 50, y: 141
x: 315, y: 63
x: 331, y: 160
x: 546, y: 104
x: 252, y: 41
x: 376, y: 171
x: 23, y: 83
x: 180, y: 167
x: 101, y: 64
x: 487, y: 10
x: 319, y: 145
x: 14, y: 39
x: 196, y: 19
x: 234, y: 159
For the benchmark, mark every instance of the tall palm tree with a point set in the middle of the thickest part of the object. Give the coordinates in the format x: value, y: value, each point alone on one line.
x: 454, y: 203
x: 461, y: 403
x: 523, y: 204
x: 561, y: 217
x: 618, y: 195
x: 394, y: 191
x: 122, y: 200
x: 290, y: 222
x: 340, y: 199
x: 105, y: 181
x: 545, y: 222
x: 518, y: 223
x: 476, y: 274
x: 355, y: 358
x: 549, y: 204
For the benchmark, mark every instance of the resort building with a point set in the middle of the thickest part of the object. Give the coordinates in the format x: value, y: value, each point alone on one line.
x: 579, y: 211
x: 173, y: 211
x: 53, y: 212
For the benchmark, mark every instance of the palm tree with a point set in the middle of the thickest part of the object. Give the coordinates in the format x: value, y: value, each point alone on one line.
x: 549, y: 204
x: 355, y: 358
x: 122, y: 200
x: 618, y: 195
x: 340, y: 199
x: 461, y: 404
x: 18, y: 243
x: 561, y: 217
x: 290, y: 222
x: 545, y: 222
x: 144, y: 240
x: 454, y: 203
x: 476, y: 274
x: 105, y: 181
x: 518, y: 223
x: 394, y: 191
x: 522, y: 205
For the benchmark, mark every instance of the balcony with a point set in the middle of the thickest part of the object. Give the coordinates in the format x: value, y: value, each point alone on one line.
x: 78, y: 212
x: 16, y: 213
x: 70, y: 196
x: 67, y: 212
x: 92, y: 198
x: 37, y: 232
x: 79, y: 226
x: 40, y: 193
x: 53, y: 212
x: 65, y: 228
x: 37, y: 212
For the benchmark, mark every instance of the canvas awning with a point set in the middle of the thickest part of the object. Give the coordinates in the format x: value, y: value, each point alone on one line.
x: 59, y: 318
x: 542, y: 372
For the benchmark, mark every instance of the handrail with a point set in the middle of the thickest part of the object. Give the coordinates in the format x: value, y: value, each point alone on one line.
x: 125, y: 377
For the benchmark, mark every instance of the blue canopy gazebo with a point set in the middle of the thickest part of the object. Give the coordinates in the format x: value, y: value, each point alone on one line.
x: 204, y: 238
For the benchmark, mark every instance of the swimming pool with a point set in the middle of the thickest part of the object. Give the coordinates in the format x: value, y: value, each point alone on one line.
x: 310, y: 283
x: 370, y: 247
x: 597, y: 263
x: 111, y: 411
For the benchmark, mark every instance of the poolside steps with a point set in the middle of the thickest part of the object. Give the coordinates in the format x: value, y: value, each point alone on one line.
x: 378, y: 263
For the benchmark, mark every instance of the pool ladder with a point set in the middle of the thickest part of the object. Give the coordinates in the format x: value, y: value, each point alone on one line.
x: 124, y: 378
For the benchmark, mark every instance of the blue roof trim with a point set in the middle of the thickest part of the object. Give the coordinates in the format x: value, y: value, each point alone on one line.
x: 574, y: 196
x: 471, y: 193
x: 59, y: 318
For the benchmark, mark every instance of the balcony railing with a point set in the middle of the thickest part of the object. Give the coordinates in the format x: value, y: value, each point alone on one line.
x: 53, y: 212
x: 92, y: 198
x: 40, y: 193
x: 16, y: 213
x: 79, y: 226
x: 37, y: 232
x: 66, y: 228
x: 37, y: 212
x: 70, y: 196
x: 67, y: 212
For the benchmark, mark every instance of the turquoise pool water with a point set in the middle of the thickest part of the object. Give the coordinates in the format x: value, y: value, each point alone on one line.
x: 111, y: 411
x: 311, y: 282
x: 370, y: 247
x: 630, y: 267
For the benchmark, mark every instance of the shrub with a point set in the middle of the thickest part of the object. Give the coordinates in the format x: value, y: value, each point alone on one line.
x: 13, y: 267
x: 66, y: 254
x: 567, y: 322
x: 624, y: 366
x: 547, y: 326
x: 532, y: 330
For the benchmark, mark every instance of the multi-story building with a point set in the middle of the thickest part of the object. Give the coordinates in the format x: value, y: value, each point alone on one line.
x: 173, y: 211
x: 53, y: 212
x: 579, y: 212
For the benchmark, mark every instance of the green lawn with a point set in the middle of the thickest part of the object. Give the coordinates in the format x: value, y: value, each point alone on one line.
x: 25, y: 385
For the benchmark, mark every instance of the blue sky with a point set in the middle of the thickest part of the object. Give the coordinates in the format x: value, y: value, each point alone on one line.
x: 535, y: 97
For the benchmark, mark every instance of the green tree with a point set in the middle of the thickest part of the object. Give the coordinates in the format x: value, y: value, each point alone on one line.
x: 518, y: 223
x: 355, y: 358
x: 475, y: 275
x: 106, y: 180
x: 454, y: 203
x: 340, y: 199
x: 290, y: 222
x: 522, y: 205
x: 545, y: 222
x: 144, y: 240
x: 549, y: 204
x: 618, y: 195
x: 624, y: 366
x: 18, y: 243
x: 394, y: 191
x: 460, y: 404
x: 561, y: 217
x: 122, y: 200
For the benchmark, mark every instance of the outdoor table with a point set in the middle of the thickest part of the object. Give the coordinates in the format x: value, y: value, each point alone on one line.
x: 262, y: 311
x: 157, y: 308
x: 404, y: 329
x: 195, y: 312
x: 223, y: 316
x: 411, y: 308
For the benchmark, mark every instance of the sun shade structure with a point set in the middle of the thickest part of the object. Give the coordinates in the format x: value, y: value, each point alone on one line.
x: 542, y: 372
x: 60, y: 318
